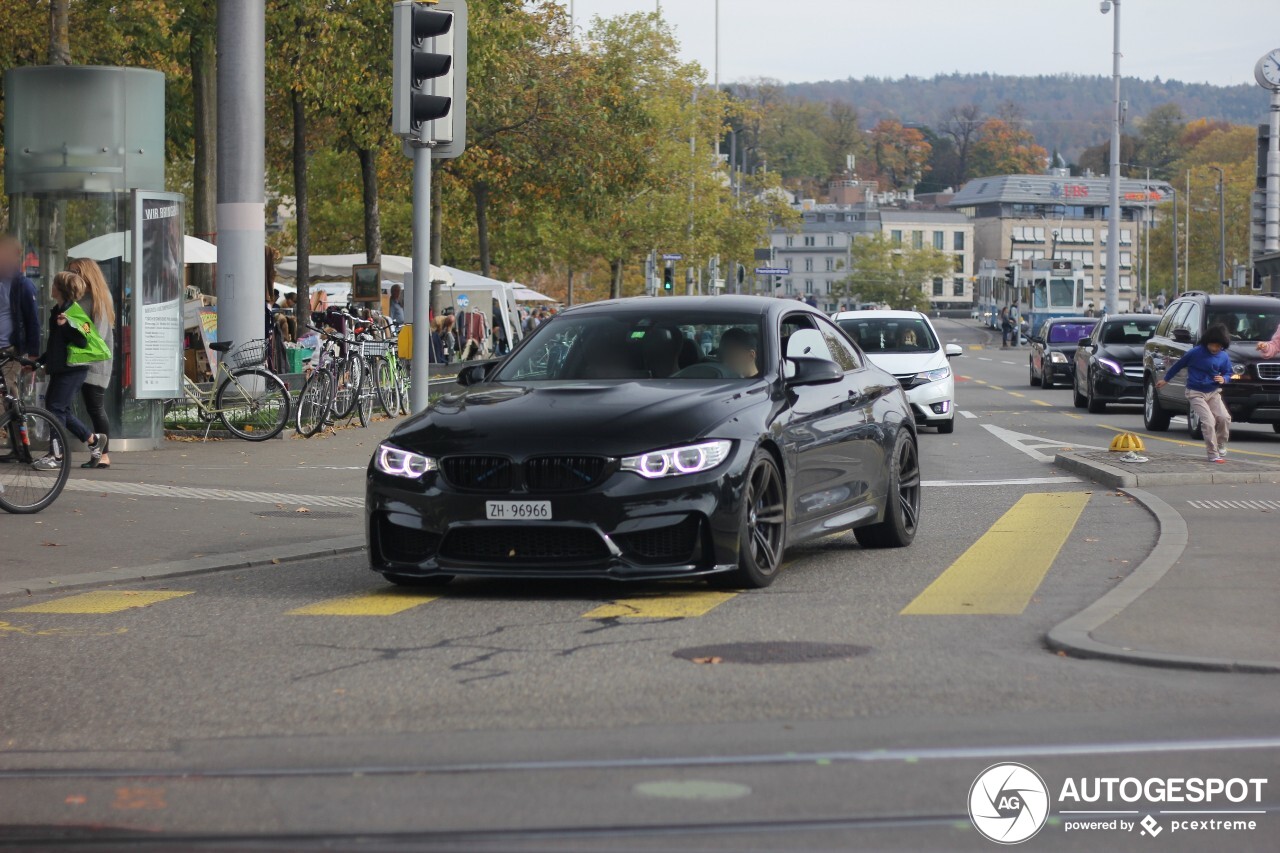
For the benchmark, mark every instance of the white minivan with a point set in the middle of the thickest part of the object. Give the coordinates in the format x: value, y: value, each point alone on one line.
x: 905, y: 344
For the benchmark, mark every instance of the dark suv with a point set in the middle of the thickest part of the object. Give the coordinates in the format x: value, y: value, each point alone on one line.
x: 1252, y: 395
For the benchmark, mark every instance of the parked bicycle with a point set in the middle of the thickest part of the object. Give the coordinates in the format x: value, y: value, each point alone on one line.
x: 251, y: 401
x: 32, y: 433
x: 332, y: 390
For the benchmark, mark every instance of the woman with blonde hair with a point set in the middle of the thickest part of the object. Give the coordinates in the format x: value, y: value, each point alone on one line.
x: 68, y: 328
x: 97, y: 303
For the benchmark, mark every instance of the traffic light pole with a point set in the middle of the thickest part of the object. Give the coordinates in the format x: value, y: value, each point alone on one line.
x: 421, y: 372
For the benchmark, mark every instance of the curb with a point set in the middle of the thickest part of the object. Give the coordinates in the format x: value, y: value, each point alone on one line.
x: 1127, y: 477
x: 196, y: 566
x: 1074, y: 636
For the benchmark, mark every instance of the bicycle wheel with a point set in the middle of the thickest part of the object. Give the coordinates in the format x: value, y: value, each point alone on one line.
x: 23, y: 488
x: 348, y: 373
x: 253, y: 404
x: 313, y: 403
x: 388, y: 391
x: 366, y: 396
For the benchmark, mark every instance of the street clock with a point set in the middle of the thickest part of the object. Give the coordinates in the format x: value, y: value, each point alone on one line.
x: 1267, y: 71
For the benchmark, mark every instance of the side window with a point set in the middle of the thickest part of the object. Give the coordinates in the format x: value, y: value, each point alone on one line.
x: 1177, y: 319
x: 841, y: 352
x: 791, y: 326
x: 1192, y: 321
x: 1166, y: 321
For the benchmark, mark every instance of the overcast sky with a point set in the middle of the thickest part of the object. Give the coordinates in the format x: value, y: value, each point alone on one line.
x: 1214, y: 41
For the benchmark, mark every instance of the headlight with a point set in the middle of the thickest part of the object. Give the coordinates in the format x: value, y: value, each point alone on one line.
x: 1113, y: 366
x: 1238, y: 371
x: 402, y: 463
x: 934, y: 375
x: 677, y: 461
x: 1057, y: 358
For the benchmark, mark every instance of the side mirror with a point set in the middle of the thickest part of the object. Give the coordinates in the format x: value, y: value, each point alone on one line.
x: 813, y: 371
x: 1183, y: 336
x: 1086, y: 343
x: 953, y: 351
x: 474, y: 374
x: 1035, y: 339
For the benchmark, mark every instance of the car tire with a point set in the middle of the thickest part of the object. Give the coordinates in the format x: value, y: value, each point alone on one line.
x: 410, y: 580
x: 947, y: 427
x: 1046, y: 379
x: 1154, y: 416
x: 1194, y: 428
x: 902, y: 503
x: 762, y: 536
x: 1077, y: 399
x: 1035, y: 383
x: 1095, y: 407
x: 1275, y: 427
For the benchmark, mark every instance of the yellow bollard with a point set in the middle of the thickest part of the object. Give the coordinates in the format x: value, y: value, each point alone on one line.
x: 1126, y: 442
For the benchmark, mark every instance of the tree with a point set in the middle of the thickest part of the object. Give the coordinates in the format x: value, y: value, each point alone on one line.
x: 1097, y: 159
x: 884, y: 271
x: 1005, y: 148
x: 901, y: 153
x: 1159, y: 136
x: 962, y: 125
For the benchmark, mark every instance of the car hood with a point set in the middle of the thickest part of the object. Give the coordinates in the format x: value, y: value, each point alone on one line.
x: 1123, y: 353
x: 610, y: 418
x: 903, y: 363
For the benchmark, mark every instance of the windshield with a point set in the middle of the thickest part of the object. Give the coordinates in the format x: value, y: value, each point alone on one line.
x: 632, y: 345
x: 1069, y: 333
x: 1128, y: 332
x: 1246, y: 325
x: 891, y: 334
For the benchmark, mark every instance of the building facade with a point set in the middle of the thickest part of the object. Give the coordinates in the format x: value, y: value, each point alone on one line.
x: 1031, y: 217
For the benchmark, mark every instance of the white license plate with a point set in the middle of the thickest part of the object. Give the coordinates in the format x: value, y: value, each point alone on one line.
x: 517, y: 510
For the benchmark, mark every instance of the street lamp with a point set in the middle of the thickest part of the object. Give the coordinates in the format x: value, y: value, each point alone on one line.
x: 1222, y: 231
x: 1113, y: 211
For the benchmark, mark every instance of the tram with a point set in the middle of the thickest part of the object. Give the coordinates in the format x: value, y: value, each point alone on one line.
x: 1042, y: 288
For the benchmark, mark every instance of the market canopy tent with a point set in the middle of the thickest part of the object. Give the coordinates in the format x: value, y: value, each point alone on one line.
x: 120, y: 244
x: 338, y: 268
x: 525, y: 294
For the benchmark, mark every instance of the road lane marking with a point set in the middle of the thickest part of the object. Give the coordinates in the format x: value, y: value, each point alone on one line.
x: 980, y: 358
x: 1259, y: 505
x: 678, y: 605
x: 1016, y: 394
x: 1042, y: 403
x: 147, y: 490
x: 100, y: 602
x: 1074, y: 415
x: 1002, y: 570
x: 965, y: 413
x: 380, y: 602
x: 1022, y: 481
x: 1199, y: 444
x: 1009, y: 362
x: 1033, y: 444
x: 976, y: 347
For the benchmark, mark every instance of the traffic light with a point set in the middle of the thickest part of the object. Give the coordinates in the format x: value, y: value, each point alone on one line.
x: 668, y: 278
x: 1011, y: 276
x: 428, y: 98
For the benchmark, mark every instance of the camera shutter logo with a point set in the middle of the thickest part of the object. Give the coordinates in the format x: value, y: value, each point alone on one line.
x: 1008, y: 803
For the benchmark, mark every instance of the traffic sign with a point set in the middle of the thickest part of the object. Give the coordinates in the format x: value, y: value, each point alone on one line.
x: 772, y: 271
x: 673, y: 257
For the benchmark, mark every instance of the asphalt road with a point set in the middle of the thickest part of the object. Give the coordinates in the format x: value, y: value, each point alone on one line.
x: 308, y: 703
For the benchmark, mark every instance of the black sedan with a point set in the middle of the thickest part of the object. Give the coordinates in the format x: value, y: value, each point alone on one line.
x: 1053, y: 349
x: 1109, y: 362
x: 649, y: 438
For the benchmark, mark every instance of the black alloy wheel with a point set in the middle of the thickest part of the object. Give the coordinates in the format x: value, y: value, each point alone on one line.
x: 1154, y: 416
x: 903, y: 503
x: 764, y: 527
x: 1095, y: 406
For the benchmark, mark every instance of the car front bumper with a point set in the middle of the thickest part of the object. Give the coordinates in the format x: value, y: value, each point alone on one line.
x: 933, y: 402
x: 626, y: 528
x: 1110, y: 388
x: 1253, y: 402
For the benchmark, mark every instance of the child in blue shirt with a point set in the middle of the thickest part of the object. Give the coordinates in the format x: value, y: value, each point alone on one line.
x: 1208, y: 368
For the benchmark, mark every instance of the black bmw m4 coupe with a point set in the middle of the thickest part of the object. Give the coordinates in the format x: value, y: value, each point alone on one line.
x: 649, y: 438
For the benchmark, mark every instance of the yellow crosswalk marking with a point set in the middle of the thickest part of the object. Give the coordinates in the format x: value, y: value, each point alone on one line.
x: 382, y: 602
x: 100, y: 602
x: 676, y: 605
x: 1003, y: 569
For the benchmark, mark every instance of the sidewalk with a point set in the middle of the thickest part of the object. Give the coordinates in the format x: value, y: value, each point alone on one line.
x: 1209, y: 595
x: 196, y: 501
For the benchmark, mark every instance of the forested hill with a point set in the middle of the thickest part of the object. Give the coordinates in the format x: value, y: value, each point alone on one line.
x: 1065, y: 112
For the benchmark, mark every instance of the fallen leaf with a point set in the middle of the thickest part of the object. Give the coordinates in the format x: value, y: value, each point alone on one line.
x: 49, y: 544
x: 302, y: 509
x: 708, y: 660
x: 275, y: 561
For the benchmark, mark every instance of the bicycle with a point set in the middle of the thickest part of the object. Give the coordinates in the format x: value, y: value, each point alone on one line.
x: 332, y: 388
x: 251, y: 401
x: 33, y: 433
x: 389, y: 381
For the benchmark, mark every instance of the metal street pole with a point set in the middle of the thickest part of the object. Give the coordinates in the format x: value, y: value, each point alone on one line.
x: 1271, y: 234
x: 1113, y: 212
x: 1147, y: 218
x: 419, y: 390
x: 242, y: 288
x: 1186, y: 256
x: 1222, y: 231
x: 1175, y: 240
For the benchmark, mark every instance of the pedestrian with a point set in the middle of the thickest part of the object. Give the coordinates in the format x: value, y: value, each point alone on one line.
x: 1160, y: 302
x: 437, y: 353
x: 396, y: 307
x: 1015, y: 320
x: 1004, y: 327
x: 1208, y: 368
x: 19, y: 315
x: 97, y: 303
x: 71, y: 336
x: 319, y: 308
x: 1089, y: 312
x: 1271, y: 348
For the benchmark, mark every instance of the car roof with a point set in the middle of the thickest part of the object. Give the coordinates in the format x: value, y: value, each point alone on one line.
x: 1054, y: 321
x: 1129, y: 318
x: 675, y: 306
x: 1241, y: 299
x: 880, y: 314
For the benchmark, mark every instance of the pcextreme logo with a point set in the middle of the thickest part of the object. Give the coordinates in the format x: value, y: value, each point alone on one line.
x: 1008, y: 803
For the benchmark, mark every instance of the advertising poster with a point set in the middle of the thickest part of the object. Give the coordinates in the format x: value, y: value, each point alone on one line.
x: 157, y: 295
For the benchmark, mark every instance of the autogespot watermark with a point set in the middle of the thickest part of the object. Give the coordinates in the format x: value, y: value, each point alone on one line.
x: 1009, y: 803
